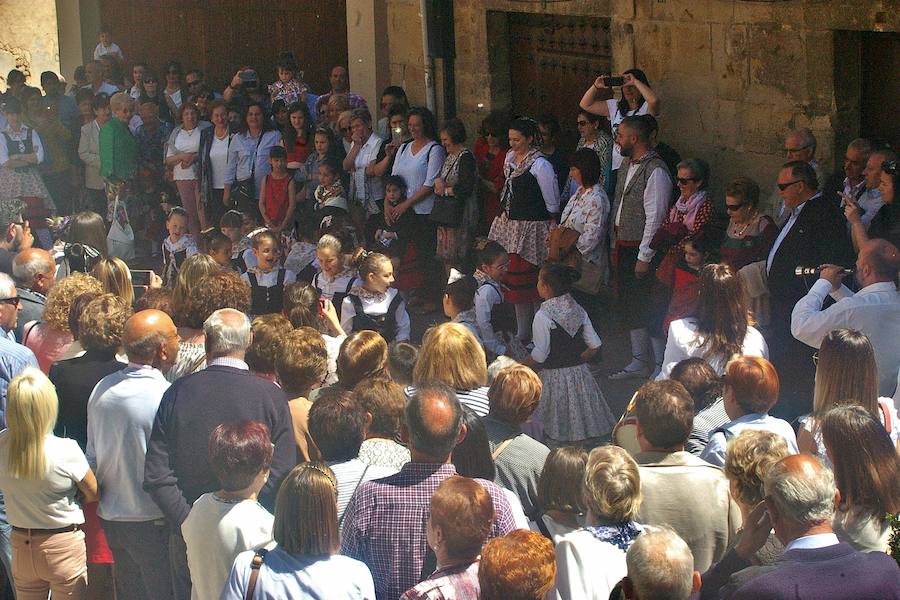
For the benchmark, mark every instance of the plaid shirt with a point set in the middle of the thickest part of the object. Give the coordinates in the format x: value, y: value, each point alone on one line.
x: 384, y: 525
x: 459, y: 582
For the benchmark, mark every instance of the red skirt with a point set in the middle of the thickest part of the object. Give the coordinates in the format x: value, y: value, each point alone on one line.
x: 409, y: 276
x: 521, y: 281
x: 97, y: 547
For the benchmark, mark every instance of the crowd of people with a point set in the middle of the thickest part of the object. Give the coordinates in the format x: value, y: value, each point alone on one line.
x: 256, y: 417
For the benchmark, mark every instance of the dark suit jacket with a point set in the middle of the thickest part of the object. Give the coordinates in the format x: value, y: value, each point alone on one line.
x: 832, y: 573
x: 818, y: 236
x: 176, y: 471
x: 32, y: 309
x: 75, y: 379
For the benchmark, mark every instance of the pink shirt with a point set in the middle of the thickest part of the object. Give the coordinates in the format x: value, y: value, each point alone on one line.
x: 48, y: 345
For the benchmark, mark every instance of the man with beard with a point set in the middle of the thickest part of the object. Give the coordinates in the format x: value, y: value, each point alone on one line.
x: 643, y: 190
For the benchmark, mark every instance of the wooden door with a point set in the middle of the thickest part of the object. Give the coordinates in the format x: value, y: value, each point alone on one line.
x: 220, y: 36
x: 552, y: 61
x: 880, y: 97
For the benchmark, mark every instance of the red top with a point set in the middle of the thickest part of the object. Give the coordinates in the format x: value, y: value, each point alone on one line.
x: 300, y: 152
x: 685, y: 296
x: 490, y: 168
x: 276, y: 200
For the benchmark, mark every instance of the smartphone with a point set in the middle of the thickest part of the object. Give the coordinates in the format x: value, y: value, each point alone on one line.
x: 396, y: 134
x: 611, y: 81
x: 139, y: 277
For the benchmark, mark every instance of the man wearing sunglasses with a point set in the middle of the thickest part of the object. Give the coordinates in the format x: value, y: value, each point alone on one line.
x: 799, y: 145
x: 15, y: 233
x: 815, y: 233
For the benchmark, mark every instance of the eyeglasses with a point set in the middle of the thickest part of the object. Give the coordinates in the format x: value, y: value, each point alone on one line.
x: 685, y: 180
x: 733, y: 207
x: 795, y: 150
x: 890, y: 167
x: 581, y: 123
x: 784, y: 186
x: 13, y: 301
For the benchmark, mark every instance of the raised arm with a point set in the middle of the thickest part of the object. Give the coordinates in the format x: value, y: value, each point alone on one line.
x: 591, y: 103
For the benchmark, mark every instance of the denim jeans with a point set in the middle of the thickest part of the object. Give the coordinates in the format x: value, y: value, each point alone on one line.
x: 6, y: 551
x: 141, y: 552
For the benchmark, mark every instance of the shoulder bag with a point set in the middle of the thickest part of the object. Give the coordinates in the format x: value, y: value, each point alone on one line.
x: 243, y: 193
x: 258, y: 560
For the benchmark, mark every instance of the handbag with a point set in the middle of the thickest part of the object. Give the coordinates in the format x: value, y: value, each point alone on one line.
x: 562, y: 244
x: 447, y: 212
x: 592, y: 277
x: 258, y: 560
x: 120, y: 239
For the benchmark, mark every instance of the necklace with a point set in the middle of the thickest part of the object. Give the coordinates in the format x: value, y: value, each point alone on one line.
x: 739, y: 233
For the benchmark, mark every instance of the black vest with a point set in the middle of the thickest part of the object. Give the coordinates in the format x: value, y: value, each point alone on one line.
x: 266, y: 300
x: 565, y: 350
x: 385, y: 324
x: 14, y: 147
x: 503, y: 315
x: 527, y: 202
x: 338, y: 299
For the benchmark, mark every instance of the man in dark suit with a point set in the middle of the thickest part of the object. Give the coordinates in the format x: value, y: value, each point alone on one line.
x: 176, y: 471
x: 799, y: 505
x: 814, y: 234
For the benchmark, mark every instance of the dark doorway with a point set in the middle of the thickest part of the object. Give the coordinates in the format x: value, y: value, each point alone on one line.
x: 880, y: 94
x: 552, y: 60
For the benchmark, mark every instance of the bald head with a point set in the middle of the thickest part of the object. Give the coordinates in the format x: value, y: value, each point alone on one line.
x: 434, y: 421
x: 34, y: 268
x: 802, y: 492
x: 147, y: 334
x: 882, y: 259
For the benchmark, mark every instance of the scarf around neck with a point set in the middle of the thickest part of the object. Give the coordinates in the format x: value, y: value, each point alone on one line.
x: 332, y: 192
x: 565, y: 312
x: 620, y: 535
x: 688, y: 208
x: 364, y: 294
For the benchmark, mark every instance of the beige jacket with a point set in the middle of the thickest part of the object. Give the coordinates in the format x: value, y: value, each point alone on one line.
x: 691, y: 496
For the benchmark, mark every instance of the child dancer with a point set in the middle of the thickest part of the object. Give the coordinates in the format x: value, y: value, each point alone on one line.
x: 329, y: 195
x: 267, y: 279
x: 459, y: 301
x: 495, y: 318
x: 178, y: 245
x: 302, y: 256
x: 375, y: 304
x: 572, y: 406
x: 277, y: 195
x: 218, y: 246
x: 333, y: 280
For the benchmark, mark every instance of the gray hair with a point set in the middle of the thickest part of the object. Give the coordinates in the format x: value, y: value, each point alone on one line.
x: 804, y: 496
x: 362, y: 114
x: 660, y: 565
x: 144, y: 348
x: 863, y: 146
x: 24, y: 271
x: 699, y: 168
x: 224, y: 335
x: 7, y: 286
x: 806, y: 137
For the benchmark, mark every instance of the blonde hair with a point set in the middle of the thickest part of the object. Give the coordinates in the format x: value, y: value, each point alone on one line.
x: 451, y: 355
x: 31, y: 411
x: 61, y: 295
x: 194, y: 269
x: 514, y: 394
x: 612, y: 484
x: 747, y: 460
x: 114, y: 276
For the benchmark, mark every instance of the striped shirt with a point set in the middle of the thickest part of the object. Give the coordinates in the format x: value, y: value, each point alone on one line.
x: 705, y: 422
x: 520, y: 463
x: 384, y: 526
x: 476, y: 399
x: 350, y: 474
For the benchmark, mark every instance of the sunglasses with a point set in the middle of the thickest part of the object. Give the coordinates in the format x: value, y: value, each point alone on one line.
x: 890, y: 167
x: 150, y: 80
x: 13, y: 301
x: 685, y: 180
x: 581, y: 123
x: 784, y: 186
x: 733, y: 207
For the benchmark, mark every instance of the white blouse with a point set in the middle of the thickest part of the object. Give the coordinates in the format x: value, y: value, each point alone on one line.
x: 540, y: 334
x: 587, y: 212
x: 218, y: 161
x: 375, y: 307
x: 683, y: 343
x: 185, y: 142
x: 420, y: 169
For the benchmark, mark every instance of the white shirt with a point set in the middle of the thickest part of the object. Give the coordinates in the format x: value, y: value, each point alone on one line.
x: 215, y: 532
x: 682, y: 342
x: 105, y: 88
x: 269, y: 279
x: 486, y: 297
x: 656, y: 205
x: 329, y: 286
x: 784, y: 231
x: 419, y: 170
x: 811, y: 542
x: 19, y: 136
x: 284, y: 575
x: 47, y: 503
x: 89, y: 153
x: 714, y: 453
x: 174, y: 97
x: 218, y: 161
x: 540, y: 334
x: 546, y: 179
x: 113, y: 48
x: 870, y: 202
x: 121, y: 411
x: 332, y: 349
x: 185, y: 142
x: 873, y: 310
x: 615, y: 118
x: 578, y: 554
x: 375, y: 307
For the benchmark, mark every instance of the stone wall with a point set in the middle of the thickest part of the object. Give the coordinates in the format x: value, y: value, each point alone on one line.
x: 28, y: 38
x: 733, y: 75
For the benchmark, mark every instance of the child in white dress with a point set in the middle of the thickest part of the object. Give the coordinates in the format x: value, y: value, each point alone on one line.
x: 374, y: 304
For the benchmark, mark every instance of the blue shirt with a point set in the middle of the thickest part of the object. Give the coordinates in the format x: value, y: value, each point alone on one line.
x: 244, y: 150
x: 14, y: 358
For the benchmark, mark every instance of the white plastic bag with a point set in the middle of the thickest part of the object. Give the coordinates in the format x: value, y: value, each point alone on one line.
x: 120, y: 239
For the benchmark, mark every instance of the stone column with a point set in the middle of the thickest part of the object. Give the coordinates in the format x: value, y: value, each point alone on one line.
x: 367, y: 50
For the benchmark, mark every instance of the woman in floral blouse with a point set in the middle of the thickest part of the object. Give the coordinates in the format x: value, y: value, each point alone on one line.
x: 587, y: 211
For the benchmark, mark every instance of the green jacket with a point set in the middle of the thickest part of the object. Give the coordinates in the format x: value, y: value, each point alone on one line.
x: 118, y: 151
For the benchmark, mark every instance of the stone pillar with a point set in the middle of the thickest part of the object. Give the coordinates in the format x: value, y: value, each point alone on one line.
x: 367, y: 50
x: 77, y: 24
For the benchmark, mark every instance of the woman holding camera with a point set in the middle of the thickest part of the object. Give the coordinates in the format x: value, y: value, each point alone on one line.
x: 637, y: 99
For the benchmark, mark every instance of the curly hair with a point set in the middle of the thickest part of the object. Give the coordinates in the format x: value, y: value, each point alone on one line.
x: 102, y: 322
x: 612, y: 484
x: 56, y: 311
x: 222, y: 290
x: 269, y: 332
x: 749, y: 456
